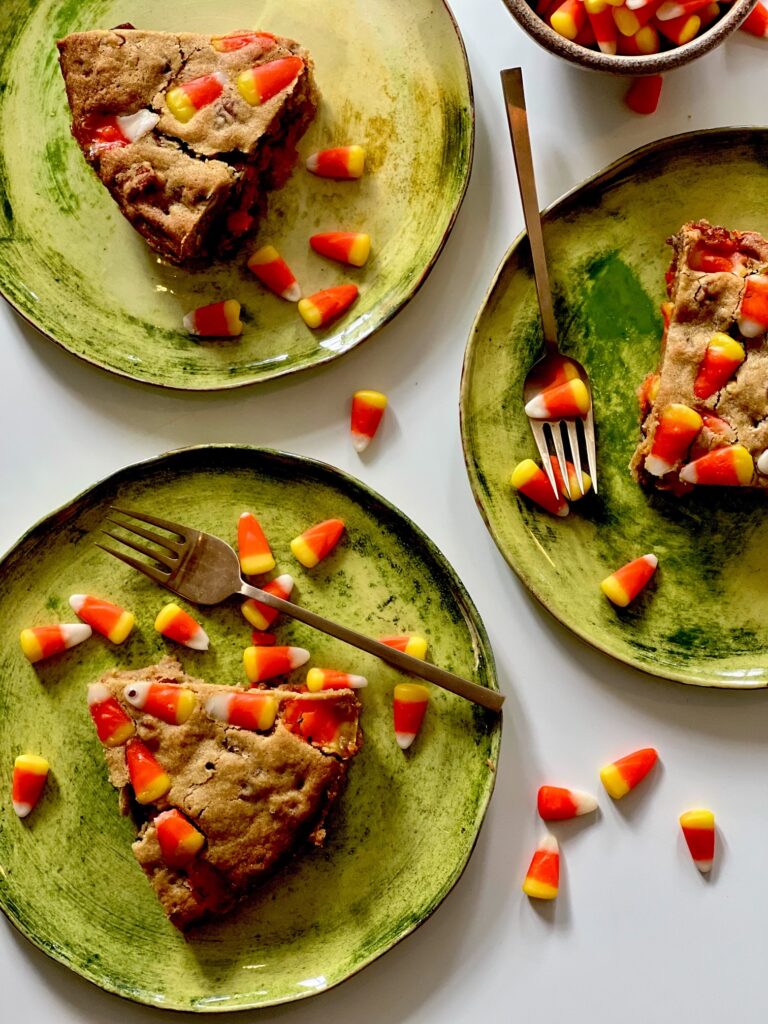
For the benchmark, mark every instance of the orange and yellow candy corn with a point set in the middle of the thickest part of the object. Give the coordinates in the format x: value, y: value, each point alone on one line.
x: 367, y: 409
x: 173, y: 622
x: 260, y: 615
x: 542, y: 879
x: 562, y: 401
x: 409, y: 706
x: 169, y: 702
x: 731, y: 466
x: 408, y: 643
x: 253, y: 547
x: 644, y: 42
x: 753, y: 313
x: 43, y: 641
x: 186, y: 99
x: 271, y: 269
x: 569, y: 18
x: 112, y: 622
x: 756, y: 22
x: 629, y: 22
x: 267, y: 662
x: 625, y: 584
x: 679, y: 30
x: 677, y: 427
x: 320, y: 309
x: 643, y: 94
x: 623, y: 775
x: 255, y: 710
x: 557, y: 804
x: 604, y: 29
x: 29, y: 774
x: 180, y: 842
x: 113, y: 725
x: 329, y: 679
x: 237, y: 40
x: 351, y: 247
x: 317, y: 542
x: 699, y: 831
x: 219, y: 320
x: 344, y: 162
x: 671, y: 9
x: 551, y: 374
x: 534, y: 483
x: 573, y: 480
x: 326, y: 724
x: 723, y: 356
x: 106, y: 131
x: 259, y: 84
x: 149, y: 780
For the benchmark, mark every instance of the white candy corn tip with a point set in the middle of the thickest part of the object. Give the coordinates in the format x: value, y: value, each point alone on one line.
x: 652, y: 560
x: 199, y: 641
x: 405, y: 739
x: 360, y: 442
x: 297, y: 656
x: 762, y: 463
x: 751, y: 328
x: 292, y: 293
x: 312, y: 162
x: 135, y: 126
x: 74, y: 633
x: 548, y: 844
x: 76, y: 602
x: 136, y: 694
x: 357, y: 682
x: 189, y: 322
x: 217, y: 706
x: 285, y: 583
x: 704, y: 866
x: 536, y: 409
x: 585, y: 802
x: 689, y: 474
x: 656, y: 466
x: 669, y: 10
x: 220, y: 77
x: 22, y: 809
x: 97, y: 692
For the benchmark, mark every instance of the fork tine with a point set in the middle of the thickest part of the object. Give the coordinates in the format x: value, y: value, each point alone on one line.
x: 174, y: 546
x: 537, y: 429
x: 169, y: 563
x: 557, y: 437
x: 164, y: 524
x: 589, y: 437
x: 573, y: 437
x: 149, y: 570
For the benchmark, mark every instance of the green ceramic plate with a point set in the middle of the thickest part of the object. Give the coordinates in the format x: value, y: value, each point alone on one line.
x: 406, y: 824
x: 705, y: 618
x: 394, y: 77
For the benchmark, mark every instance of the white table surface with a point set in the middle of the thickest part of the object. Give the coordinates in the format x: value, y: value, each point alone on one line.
x: 635, y: 935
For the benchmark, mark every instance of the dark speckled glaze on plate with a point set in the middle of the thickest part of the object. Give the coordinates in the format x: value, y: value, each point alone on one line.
x: 406, y: 823
x: 394, y: 77
x: 704, y: 619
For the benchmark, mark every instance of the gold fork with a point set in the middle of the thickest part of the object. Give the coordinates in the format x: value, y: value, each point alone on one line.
x: 205, y: 570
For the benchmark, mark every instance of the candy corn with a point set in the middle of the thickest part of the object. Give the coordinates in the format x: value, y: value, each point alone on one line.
x: 557, y: 804
x: 167, y: 701
x: 367, y: 409
x: 604, y: 29
x: 709, y: 14
x: 42, y: 641
x: 756, y: 22
x: 625, y: 584
x: 320, y: 309
x: 29, y: 775
x: 112, y: 622
x: 219, y: 320
x: 753, y: 314
x: 149, y: 780
x: 679, y: 30
x: 260, y: 615
x: 344, y: 162
x: 254, y: 550
x: 326, y: 724
x: 267, y: 662
x: 416, y: 646
x: 573, y: 480
x: 629, y: 22
x: 261, y: 639
x: 534, y: 484
x: 178, y: 625
x: 237, y: 40
x: 551, y: 373
x: 699, y: 830
x: 113, y: 725
x: 271, y: 269
x: 317, y: 542
x: 543, y: 876
x: 677, y: 427
x: 623, y: 775
x: 671, y: 9
x: 345, y: 246
x: 329, y: 679
x: 762, y: 463
x: 713, y: 257
x: 259, y: 84
x: 106, y: 131
x: 179, y: 840
x: 409, y: 707
x: 186, y: 99
x: 569, y: 18
x: 644, y: 42
x: 643, y: 94
x: 722, y: 357
x: 255, y: 709
x: 731, y: 466
x: 562, y: 401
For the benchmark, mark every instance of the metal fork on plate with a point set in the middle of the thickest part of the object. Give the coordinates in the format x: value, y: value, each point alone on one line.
x: 553, y: 366
x: 205, y: 570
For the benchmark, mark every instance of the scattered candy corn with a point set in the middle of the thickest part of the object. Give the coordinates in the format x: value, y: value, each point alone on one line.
x: 573, y: 480
x: 753, y: 314
x: 29, y: 775
x: 534, y: 484
x: 731, y: 466
x: 557, y: 804
x: 113, y: 725
x: 367, y: 409
x: 643, y: 94
x: 112, y: 622
x: 255, y: 710
x: 756, y: 22
x: 179, y: 840
x: 625, y: 584
x: 260, y: 615
x: 271, y: 269
x: 219, y: 320
x: 345, y: 246
x: 254, y: 550
x: 677, y: 427
x: 679, y: 30
x: 320, y: 309
x: 329, y: 679
x: 344, y: 162
x: 623, y: 775
x: 169, y: 702
x: 42, y: 641
x: 699, y: 830
x: 186, y: 99
x: 409, y: 707
x: 568, y: 19
x: 562, y: 401
x: 173, y: 622
x: 267, y: 662
x: 259, y: 84
x: 237, y: 40
x: 543, y: 876
x: 415, y: 646
x: 147, y: 777
x: 261, y: 639
x: 722, y: 358
x: 317, y: 542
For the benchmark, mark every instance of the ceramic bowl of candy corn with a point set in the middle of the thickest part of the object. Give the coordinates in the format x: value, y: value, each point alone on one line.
x: 629, y: 37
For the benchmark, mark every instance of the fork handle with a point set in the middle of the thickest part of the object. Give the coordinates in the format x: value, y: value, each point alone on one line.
x: 447, y: 680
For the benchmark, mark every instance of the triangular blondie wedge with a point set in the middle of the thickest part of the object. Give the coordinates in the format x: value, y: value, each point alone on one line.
x: 188, y: 132
x: 224, y: 782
